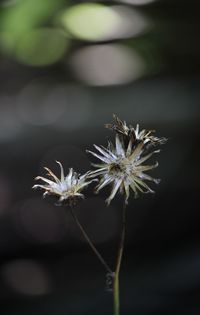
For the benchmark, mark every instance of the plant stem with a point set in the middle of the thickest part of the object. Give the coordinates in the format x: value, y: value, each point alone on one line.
x: 118, y: 264
x: 90, y: 242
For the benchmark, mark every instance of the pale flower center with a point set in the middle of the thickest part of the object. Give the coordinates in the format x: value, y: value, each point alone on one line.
x: 121, y: 168
x: 65, y: 189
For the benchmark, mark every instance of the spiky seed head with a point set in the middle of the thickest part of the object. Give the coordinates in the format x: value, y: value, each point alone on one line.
x: 128, y: 132
x: 68, y: 189
x: 122, y: 167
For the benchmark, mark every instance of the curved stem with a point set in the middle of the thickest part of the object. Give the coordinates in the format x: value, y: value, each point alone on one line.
x: 90, y: 242
x: 118, y: 264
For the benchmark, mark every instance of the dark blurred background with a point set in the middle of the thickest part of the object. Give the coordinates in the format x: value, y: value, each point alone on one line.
x: 65, y: 67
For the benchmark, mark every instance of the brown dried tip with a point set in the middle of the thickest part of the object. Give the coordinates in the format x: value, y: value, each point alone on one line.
x: 119, y: 126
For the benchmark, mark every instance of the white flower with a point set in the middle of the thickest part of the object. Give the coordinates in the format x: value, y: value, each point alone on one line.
x: 123, y: 168
x: 67, y: 188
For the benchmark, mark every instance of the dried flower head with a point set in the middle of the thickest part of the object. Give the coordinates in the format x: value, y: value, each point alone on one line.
x: 147, y: 137
x: 67, y: 188
x: 123, y: 167
x: 128, y: 132
x: 120, y: 126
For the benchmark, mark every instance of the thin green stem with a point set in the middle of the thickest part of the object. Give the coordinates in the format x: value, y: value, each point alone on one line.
x: 116, y: 296
x: 90, y: 242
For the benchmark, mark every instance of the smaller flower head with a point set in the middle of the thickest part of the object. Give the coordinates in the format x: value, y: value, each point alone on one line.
x: 67, y: 188
x: 123, y: 168
x: 147, y: 137
x: 120, y: 126
x: 128, y: 132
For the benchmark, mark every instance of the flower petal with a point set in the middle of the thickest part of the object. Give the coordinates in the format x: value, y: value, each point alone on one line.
x: 146, y: 157
x: 119, y: 146
x: 147, y: 177
x: 126, y: 189
x: 41, y: 186
x: 68, y: 178
x: 62, y: 177
x: 116, y: 186
x: 99, y: 157
x: 129, y: 148
x: 143, y: 168
x: 103, y: 183
x: 143, y: 184
x: 52, y: 174
x: 133, y: 187
x: 48, y: 181
x: 137, y: 152
x: 103, y: 151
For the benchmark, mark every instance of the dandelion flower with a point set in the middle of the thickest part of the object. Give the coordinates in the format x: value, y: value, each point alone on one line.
x: 123, y: 168
x: 67, y: 188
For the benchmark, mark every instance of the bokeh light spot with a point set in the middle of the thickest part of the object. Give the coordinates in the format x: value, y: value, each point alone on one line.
x: 90, y: 21
x: 20, y: 17
x: 36, y: 104
x: 107, y: 64
x: 10, y: 125
x: 41, y: 47
x: 131, y: 22
x: 26, y: 277
x: 137, y: 2
x: 66, y: 107
x: 77, y: 107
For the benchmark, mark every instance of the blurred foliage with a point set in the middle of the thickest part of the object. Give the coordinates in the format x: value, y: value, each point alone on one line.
x: 21, y: 35
x: 40, y: 33
x: 90, y: 21
x: 153, y: 29
x: 41, y: 46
